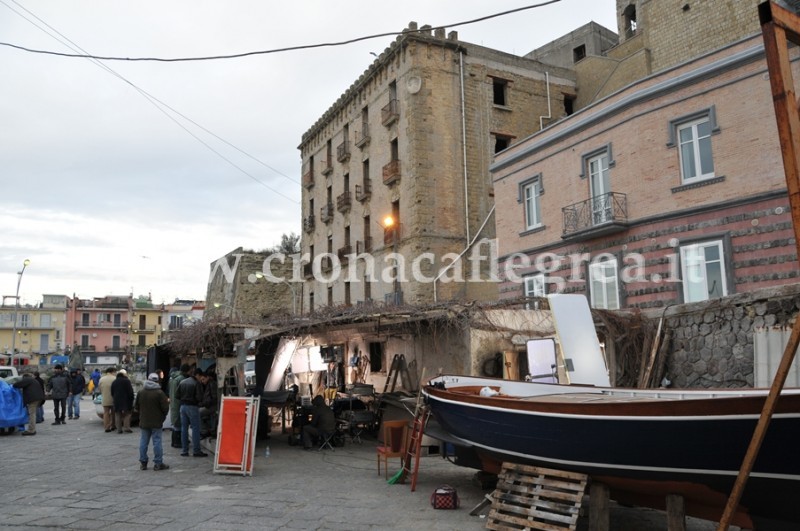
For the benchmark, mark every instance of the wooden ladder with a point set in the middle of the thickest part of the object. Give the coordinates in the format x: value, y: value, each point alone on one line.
x: 421, y: 415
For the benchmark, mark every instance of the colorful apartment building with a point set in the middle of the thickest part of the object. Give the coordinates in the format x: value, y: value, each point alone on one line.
x: 40, y: 330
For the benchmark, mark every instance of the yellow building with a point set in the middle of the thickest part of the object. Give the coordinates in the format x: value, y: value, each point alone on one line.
x: 40, y: 329
x: 146, y: 327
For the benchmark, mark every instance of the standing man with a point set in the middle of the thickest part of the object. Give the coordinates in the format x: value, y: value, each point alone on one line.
x: 77, y: 387
x: 32, y: 397
x: 96, y: 381
x: 122, y: 394
x: 152, y: 405
x: 58, y: 385
x: 331, y: 382
x: 108, y: 401
x: 40, y: 409
x: 190, y: 395
x: 175, y: 378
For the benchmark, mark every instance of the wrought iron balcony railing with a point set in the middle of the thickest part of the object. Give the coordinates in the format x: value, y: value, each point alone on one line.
x: 309, y: 223
x: 390, y: 112
x: 343, y: 151
x: 343, y: 252
x: 362, y: 137
x: 308, y: 179
x: 597, y: 215
x: 343, y: 201
x: 327, y: 165
x: 364, y: 191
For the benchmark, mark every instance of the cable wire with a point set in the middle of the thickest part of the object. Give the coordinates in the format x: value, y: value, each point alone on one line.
x: 278, y: 50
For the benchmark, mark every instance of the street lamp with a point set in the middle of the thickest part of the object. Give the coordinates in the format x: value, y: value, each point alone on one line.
x: 234, y: 311
x: 16, y: 308
x: 260, y: 275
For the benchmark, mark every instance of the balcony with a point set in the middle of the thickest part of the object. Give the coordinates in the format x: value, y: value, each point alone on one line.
x: 390, y: 113
x: 308, y: 179
x: 327, y: 165
x: 391, y: 172
x: 364, y: 191
x: 362, y: 137
x: 343, y: 151
x: 597, y: 216
x: 308, y: 223
x: 326, y: 213
x: 326, y: 264
x: 343, y: 253
x: 101, y: 324
x: 344, y: 201
x: 391, y: 235
x: 364, y: 246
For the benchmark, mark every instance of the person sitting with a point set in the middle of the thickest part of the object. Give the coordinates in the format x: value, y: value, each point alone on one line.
x: 322, y: 424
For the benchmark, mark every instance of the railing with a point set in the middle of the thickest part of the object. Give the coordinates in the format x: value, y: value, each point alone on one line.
x: 600, y: 210
x: 364, y: 191
x: 343, y: 252
x: 327, y: 165
x: 343, y: 201
x: 391, y: 172
x: 326, y: 264
x: 343, y: 151
x: 326, y: 213
x: 362, y: 137
x: 364, y: 246
x: 308, y: 179
x: 101, y: 324
x: 308, y: 223
x: 390, y: 112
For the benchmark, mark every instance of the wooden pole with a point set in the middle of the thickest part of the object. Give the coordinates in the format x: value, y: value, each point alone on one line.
x: 776, y: 22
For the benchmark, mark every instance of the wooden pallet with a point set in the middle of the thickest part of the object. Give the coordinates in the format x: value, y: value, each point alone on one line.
x: 529, y: 497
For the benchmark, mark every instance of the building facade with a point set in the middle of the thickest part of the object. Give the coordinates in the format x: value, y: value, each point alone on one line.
x: 41, y: 330
x: 668, y: 190
x: 395, y: 174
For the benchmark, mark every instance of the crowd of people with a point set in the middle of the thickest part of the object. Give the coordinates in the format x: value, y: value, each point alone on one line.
x: 189, y: 408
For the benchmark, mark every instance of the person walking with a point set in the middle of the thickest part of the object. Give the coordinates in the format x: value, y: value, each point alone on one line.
x: 190, y: 395
x: 58, y: 385
x: 32, y: 397
x: 152, y: 405
x: 175, y: 378
x: 122, y: 394
x: 95, y: 377
x: 108, y: 401
x: 77, y: 387
x: 40, y: 409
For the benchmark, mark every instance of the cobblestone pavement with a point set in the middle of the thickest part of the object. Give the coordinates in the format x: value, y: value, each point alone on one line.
x: 76, y: 476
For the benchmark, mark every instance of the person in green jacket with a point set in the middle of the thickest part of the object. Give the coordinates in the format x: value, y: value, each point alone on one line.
x: 176, y: 378
x: 152, y: 405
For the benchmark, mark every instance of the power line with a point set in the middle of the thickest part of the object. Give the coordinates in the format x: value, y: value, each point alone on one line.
x: 277, y: 50
x: 157, y: 103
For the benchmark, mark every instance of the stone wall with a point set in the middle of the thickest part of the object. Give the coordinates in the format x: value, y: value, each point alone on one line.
x: 712, y: 342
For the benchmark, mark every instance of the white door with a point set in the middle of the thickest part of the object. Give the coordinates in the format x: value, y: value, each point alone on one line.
x: 600, y: 187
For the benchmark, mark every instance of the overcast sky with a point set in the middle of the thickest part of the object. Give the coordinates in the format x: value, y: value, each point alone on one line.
x: 103, y: 185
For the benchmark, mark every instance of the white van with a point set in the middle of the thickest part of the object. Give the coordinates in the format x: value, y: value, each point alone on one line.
x: 6, y: 371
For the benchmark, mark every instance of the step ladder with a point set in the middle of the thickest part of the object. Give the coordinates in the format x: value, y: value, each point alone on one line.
x: 397, y: 367
x: 411, y: 459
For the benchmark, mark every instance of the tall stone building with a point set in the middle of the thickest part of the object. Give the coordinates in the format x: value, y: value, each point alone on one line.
x: 399, y: 164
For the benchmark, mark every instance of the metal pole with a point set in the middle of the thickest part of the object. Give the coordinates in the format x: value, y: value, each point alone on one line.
x: 16, y: 308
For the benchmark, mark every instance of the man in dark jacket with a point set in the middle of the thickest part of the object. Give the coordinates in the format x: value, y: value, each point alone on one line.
x: 58, y: 385
x: 175, y: 378
x: 323, y: 423
x: 40, y: 409
x: 152, y: 405
x: 32, y: 396
x: 77, y: 386
x: 190, y: 395
x: 122, y: 394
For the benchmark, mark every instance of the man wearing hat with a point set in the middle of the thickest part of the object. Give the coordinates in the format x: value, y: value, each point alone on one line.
x: 58, y: 386
x: 152, y: 405
x: 122, y: 394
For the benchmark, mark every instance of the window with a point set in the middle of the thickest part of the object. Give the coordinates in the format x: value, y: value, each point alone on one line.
x: 578, y: 53
x: 84, y: 341
x: 501, y: 142
x: 530, y: 192
x: 142, y: 341
x: 534, y: 286
x: 702, y: 271
x: 604, y: 285
x: 45, y: 320
x: 115, y: 342
x: 597, y: 168
x: 695, y: 150
x: 499, y: 91
x: 330, y: 295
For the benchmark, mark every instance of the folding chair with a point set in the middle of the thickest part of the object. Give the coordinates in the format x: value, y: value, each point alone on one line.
x: 327, y: 441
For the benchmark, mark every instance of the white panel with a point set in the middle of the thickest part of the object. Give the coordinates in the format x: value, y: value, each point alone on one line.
x: 578, y: 340
x: 308, y: 359
x: 768, y: 346
x: 283, y: 356
x: 541, y: 358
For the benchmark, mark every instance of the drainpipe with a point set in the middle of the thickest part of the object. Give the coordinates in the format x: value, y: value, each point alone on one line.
x: 467, y: 248
x: 464, y: 145
x: 549, y: 109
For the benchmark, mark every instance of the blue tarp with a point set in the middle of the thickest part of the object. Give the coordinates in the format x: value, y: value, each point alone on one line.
x: 12, y: 412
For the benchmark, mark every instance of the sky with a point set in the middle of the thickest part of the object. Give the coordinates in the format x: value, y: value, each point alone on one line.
x: 132, y: 177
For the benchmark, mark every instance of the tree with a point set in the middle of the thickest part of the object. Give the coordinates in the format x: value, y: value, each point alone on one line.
x: 290, y: 244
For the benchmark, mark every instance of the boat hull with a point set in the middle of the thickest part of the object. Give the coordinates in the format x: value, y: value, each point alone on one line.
x: 652, y: 442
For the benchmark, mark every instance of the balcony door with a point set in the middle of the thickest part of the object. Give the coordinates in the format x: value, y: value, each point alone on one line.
x: 600, y: 188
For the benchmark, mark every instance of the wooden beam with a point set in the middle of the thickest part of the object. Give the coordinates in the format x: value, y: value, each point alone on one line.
x: 599, y: 517
x: 676, y: 513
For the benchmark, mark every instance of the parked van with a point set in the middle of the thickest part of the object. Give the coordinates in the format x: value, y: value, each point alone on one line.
x: 6, y: 371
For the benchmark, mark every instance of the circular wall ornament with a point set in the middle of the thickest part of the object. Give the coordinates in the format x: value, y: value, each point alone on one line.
x: 413, y: 84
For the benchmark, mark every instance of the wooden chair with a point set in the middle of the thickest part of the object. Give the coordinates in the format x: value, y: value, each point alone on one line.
x: 395, y: 442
